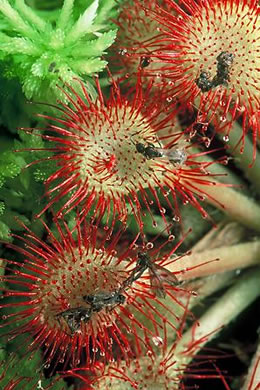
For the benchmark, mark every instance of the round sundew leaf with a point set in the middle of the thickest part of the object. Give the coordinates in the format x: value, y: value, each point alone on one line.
x: 81, y: 292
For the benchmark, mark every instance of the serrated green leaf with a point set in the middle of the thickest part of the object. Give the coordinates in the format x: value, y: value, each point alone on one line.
x: 83, y: 24
x: 106, y: 11
x: 93, y: 65
x: 31, y: 140
x: 11, y: 197
x: 9, y: 169
x: 20, y: 45
x: 96, y: 47
x: 44, y: 170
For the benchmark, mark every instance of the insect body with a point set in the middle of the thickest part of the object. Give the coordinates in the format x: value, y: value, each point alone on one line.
x: 224, y: 62
x: 222, y: 77
x: 204, y: 82
x: 176, y: 156
x: 73, y: 317
x: 158, y: 274
x: 108, y: 300
x: 145, y: 61
x: 97, y: 302
x: 150, y: 151
x: 104, y: 299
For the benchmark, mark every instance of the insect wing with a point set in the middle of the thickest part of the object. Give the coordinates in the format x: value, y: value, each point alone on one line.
x: 176, y: 155
x: 158, y: 276
x: 156, y: 284
x: 165, y: 275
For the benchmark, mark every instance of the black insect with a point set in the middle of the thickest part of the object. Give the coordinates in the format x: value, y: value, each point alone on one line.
x: 150, y: 151
x: 204, y: 82
x: 75, y: 316
x: 97, y: 302
x: 104, y: 299
x: 174, y: 155
x: 225, y: 61
x: 145, y: 61
x: 158, y: 274
x: 222, y: 77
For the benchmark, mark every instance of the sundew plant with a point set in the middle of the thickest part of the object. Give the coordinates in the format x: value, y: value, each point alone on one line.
x: 129, y: 194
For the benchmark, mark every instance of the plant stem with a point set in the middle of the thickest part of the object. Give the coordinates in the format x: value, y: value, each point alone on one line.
x: 244, y: 159
x: 208, y: 285
x: 253, y: 377
x: 236, y: 205
x: 226, y: 233
x: 229, y: 306
x: 228, y: 258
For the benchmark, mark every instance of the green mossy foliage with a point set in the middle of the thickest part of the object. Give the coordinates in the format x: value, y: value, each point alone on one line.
x: 42, y: 54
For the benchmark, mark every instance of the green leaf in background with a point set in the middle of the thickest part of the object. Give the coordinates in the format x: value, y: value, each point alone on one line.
x: 4, y: 232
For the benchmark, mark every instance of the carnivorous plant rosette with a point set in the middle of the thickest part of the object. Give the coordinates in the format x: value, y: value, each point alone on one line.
x: 212, y: 52
x: 77, y: 297
x: 110, y: 152
x: 133, y: 44
x: 167, y: 369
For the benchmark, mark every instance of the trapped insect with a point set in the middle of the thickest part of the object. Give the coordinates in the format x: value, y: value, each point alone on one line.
x: 145, y: 61
x: 75, y: 316
x: 174, y: 155
x: 158, y: 274
x: 109, y: 300
x: 97, y: 302
x: 150, y: 151
x: 222, y: 77
x: 204, y: 82
x: 104, y: 299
